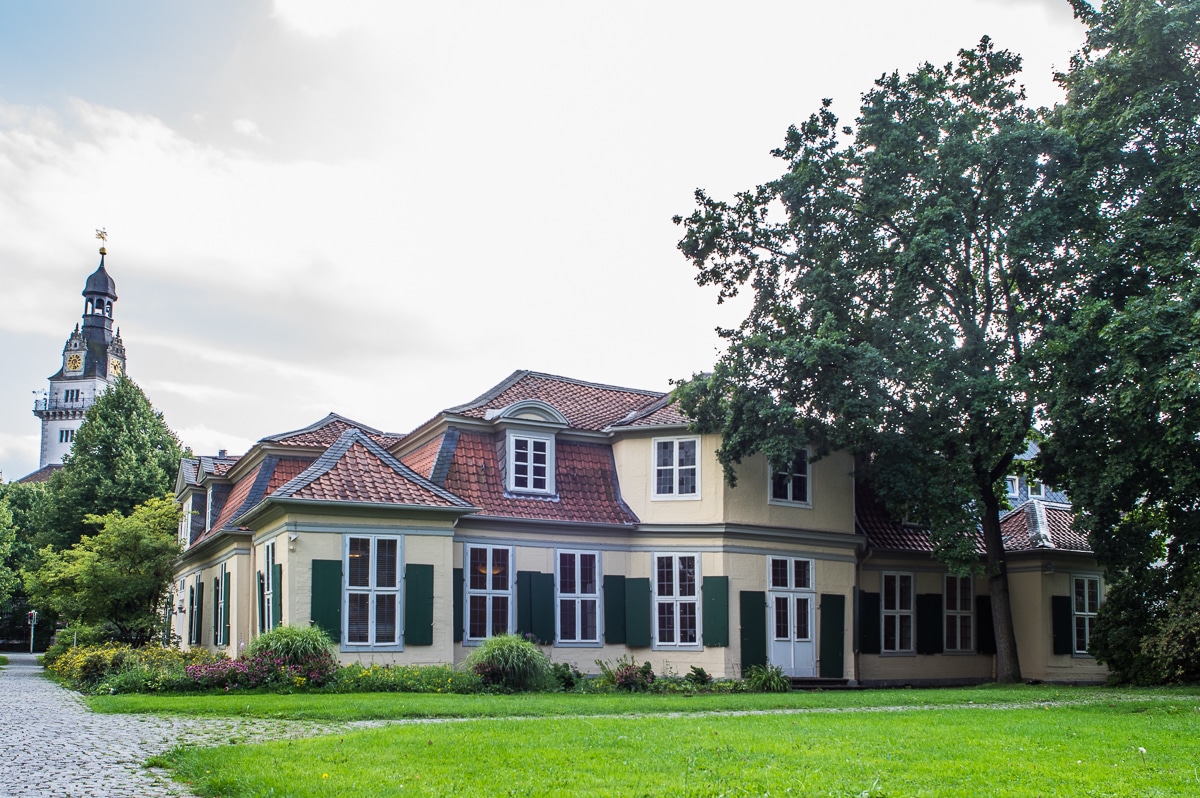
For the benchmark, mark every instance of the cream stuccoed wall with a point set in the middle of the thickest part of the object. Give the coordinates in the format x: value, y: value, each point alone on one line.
x: 634, y: 558
x: 902, y: 668
x: 321, y: 537
x: 831, y: 490
x: 1032, y: 580
x: 635, y: 471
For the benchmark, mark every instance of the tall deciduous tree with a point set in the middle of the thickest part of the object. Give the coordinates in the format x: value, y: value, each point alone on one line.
x: 120, y: 575
x: 1124, y: 408
x: 123, y: 454
x: 900, y: 271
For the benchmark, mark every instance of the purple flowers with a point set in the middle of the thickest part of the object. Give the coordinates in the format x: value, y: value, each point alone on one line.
x: 263, y: 670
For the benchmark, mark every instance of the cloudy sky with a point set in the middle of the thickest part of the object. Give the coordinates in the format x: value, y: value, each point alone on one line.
x: 383, y: 208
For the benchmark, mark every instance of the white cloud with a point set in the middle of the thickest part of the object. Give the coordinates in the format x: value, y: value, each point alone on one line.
x: 247, y: 128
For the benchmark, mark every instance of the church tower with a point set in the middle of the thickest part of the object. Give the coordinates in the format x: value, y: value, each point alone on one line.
x: 92, y: 359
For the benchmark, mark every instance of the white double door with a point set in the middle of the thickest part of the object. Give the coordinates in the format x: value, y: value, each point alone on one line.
x: 791, y: 626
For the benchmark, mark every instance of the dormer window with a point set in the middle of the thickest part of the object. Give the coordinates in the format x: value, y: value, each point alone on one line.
x: 530, y: 463
x: 1037, y: 490
x: 1013, y: 486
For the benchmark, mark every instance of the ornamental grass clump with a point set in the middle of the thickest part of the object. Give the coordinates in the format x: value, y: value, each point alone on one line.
x: 510, y: 662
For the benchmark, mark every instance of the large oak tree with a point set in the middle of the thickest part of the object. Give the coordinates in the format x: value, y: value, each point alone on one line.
x: 901, y: 269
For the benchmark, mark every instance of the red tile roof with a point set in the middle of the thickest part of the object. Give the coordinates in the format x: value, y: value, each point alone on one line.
x: 287, y: 469
x: 422, y: 459
x: 329, y: 429
x: 586, y: 405
x: 1042, y: 525
x: 661, y: 413
x: 584, y: 473
x: 356, y: 469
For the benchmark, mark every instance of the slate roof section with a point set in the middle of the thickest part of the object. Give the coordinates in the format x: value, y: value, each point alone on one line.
x: 585, y: 478
x: 1042, y: 525
x: 586, y: 405
x: 326, y: 431
x: 663, y: 412
x: 357, y: 469
x: 187, y: 469
x: 236, y: 500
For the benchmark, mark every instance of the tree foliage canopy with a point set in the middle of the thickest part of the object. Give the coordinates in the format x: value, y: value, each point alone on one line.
x: 1124, y: 400
x: 119, y: 575
x: 901, y: 270
x: 123, y: 454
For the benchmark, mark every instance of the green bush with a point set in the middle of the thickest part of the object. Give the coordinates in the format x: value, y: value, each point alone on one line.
x: 510, y: 662
x: 769, y: 679
x: 356, y: 678
x: 119, y: 668
x: 76, y: 636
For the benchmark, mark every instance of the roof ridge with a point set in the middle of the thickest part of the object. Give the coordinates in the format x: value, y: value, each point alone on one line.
x: 331, y: 456
x: 521, y: 374
x: 330, y: 418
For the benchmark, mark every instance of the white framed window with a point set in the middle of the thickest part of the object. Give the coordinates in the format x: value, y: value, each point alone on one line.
x: 269, y: 586
x: 578, y: 588
x: 222, y: 618
x: 66, y: 436
x: 1037, y: 490
x: 676, y: 601
x: 371, y: 591
x: 959, y: 612
x: 489, y: 591
x: 897, y: 613
x: 1084, y: 605
x: 530, y: 463
x: 791, y: 486
x: 1013, y: 486
x: 790, y: 573
x: 196, y: 611
x: 677, y: 468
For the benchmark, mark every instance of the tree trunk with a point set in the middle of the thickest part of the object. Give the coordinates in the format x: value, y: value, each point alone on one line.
x: 1008, y: 666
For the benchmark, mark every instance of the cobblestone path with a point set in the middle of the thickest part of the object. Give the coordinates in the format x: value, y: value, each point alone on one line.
x: 52, y: 745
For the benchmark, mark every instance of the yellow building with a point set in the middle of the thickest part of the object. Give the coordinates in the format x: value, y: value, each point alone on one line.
x: 589, y: 517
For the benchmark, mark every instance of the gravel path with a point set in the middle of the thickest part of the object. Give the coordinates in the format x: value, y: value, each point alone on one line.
x: 52, y: 745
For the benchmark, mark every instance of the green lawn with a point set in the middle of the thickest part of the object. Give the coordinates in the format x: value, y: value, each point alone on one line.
x: 391, y: 706
x: 980, y: 741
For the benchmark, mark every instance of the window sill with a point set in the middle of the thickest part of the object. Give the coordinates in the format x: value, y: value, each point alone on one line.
x: 668, y: 497
x: 784, y: 503
x: 364, y: 648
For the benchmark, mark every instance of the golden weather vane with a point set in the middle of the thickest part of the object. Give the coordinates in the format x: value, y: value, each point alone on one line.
x: 102, y: 234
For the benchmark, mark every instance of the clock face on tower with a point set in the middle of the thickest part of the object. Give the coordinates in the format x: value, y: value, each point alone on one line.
x: 114, y: 366
x: 74, y: 361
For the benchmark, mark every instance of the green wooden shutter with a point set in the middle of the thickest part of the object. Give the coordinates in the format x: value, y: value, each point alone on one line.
x: 225, y: 615
x: 715, y: 592
x: 833, y: 636
x: 637, y: 612
x: 987, y: 629
x: 1062, y: 624
x: 929, y: 623
x: 614, y: 609
x: 418, y: 605
x: 542, y: 611
x: 326, y: 599
x: 459, y: 586
x: 262, y: 604
x: 199, y: 614
x: 216, y: 621
x: 870, y: 623
x: 752, y: 605
x: 524, y: 602
x: 276, y: 594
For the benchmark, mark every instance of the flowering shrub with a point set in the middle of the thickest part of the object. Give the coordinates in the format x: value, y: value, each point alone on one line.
x: 120, y: 668
x: 264, y: 670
